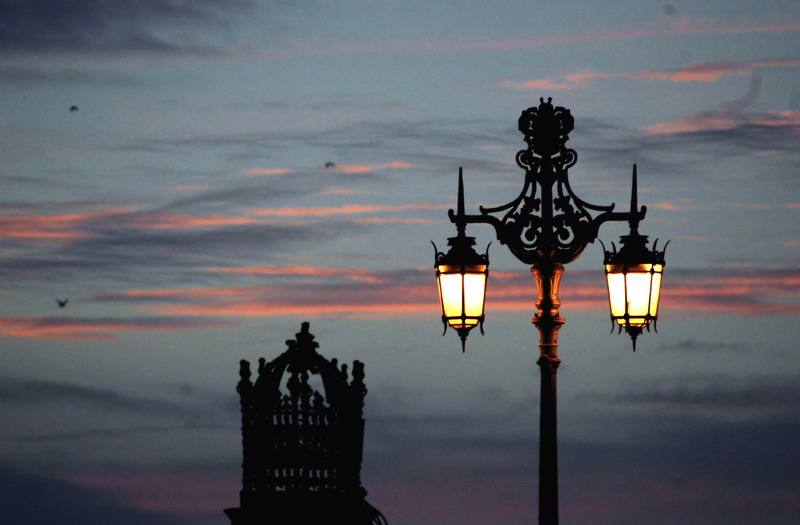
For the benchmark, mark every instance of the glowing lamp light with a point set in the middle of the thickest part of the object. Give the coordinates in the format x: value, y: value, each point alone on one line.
x: 633, y: 293
x: 462, y: 287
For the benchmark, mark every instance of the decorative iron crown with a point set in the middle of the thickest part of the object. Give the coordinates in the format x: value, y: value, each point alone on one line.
x: 546, y: 128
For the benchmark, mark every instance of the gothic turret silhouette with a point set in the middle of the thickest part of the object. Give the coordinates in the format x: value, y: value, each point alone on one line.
x: 302, y: 448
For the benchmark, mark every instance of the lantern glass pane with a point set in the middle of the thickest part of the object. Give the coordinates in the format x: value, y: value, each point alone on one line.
x: 451, y: 294
x: 474, y: 286
x: 635, y: 292
x: 655, y: 290
x: 616, y: 292
x: 462, y: 295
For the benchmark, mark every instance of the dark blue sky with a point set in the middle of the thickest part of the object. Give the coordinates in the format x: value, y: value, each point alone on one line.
x: 186, y: 211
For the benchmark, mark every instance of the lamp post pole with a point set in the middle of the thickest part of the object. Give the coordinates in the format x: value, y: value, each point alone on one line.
x: 548, y: 320
x: 548, y: 226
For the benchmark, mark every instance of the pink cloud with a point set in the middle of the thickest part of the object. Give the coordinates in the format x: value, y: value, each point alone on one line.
x: 365, y: 168
x: 724, y: 120
x: 58, y: 228
x: 545, y: 83
x: 343, y: 191
x: 349, y: 209
x: 696, y: 72
x: 360, y: 293
x: 399, y: 165
x: 264, y: 171
x: 353, y: 274
x: 181, y: 493
x: 67, y: 328
x: 683, y: 27
x: 177, y: 221
x: 61, y: 228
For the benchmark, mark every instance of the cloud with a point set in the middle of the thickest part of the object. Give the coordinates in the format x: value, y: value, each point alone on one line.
x: 693, y: 345
x: 681, y: 458
x: 544, y: 83
x: 122, y: 245
x: 683, y: 27
x: 265, y: 171
x: 61, y: 228
x: 352, y: 274
x: 187, y: 493
x: 366, y: 168
x: 52, y: 227
x: 38, y: 391
x: 729, y: 120
x: 37, y: 500
x: 703, y: 138
x: 73, y: 328
x: 114, y: 26
x: 343, y: 191
x: 773, y: 396
x: 696, y: 72
x: 336, y: 292
x: 349, y: 209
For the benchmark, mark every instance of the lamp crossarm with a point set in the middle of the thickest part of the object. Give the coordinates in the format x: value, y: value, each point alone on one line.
x: 506, y: 231
x: 616, y: 217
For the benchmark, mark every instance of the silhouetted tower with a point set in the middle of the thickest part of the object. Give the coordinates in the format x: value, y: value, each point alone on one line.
x: 302, y: 449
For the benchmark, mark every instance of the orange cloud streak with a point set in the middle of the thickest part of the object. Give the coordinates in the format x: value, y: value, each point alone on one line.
x: 682, y: 28
x: 88, y: 329
x: 176, y: 221
x: 366, y: 168
x: 263, y: 171
x: 375, y: 294
x: 724, y: 120
x: 696, y: 72
x: 74, y: 226
x: 39, y: 227
x: 349, y: 209
x: 359, y: 275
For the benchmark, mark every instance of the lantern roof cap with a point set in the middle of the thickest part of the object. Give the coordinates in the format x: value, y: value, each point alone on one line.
x: 461, y: 253
x: 634, y: 250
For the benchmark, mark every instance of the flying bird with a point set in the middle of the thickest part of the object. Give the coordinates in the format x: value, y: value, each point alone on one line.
x: 73, y: 109
x: 62, y: 304
x: 329, y: 165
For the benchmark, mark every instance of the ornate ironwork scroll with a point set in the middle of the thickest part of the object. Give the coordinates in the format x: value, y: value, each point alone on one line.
x: 547, y: 222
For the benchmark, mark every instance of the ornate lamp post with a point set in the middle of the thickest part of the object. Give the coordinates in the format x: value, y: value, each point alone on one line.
x: 548, y: 226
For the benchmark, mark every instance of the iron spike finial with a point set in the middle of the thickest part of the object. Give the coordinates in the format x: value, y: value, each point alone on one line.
x: 634, y: 221
x: 461, y: 224
x: 460, y: 191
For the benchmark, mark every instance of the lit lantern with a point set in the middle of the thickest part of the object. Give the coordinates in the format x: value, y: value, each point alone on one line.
x: 461, y: 274
x: 634, y: 278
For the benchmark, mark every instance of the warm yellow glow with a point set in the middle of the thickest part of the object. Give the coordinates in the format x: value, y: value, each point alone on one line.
x: 470, y: 302
x: 635, y: 292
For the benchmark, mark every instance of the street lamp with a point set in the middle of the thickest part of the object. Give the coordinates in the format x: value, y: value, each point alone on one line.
x: 548, y: 226
x: 461, y: 274
x: 633, y: 275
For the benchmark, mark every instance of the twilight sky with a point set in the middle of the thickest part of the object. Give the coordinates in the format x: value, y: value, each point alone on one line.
x: 186, y: 212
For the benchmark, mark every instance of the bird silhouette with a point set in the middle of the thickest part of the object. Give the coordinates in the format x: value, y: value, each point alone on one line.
x: 62, y: 304
x: 73, y: 109
x: 330, y: 165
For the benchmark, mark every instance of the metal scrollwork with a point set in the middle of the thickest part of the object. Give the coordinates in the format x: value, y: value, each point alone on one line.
x: 547, y: 222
